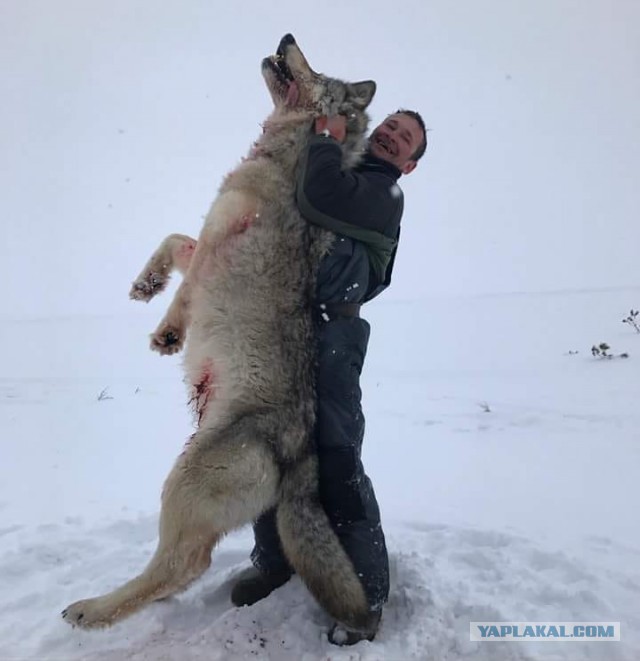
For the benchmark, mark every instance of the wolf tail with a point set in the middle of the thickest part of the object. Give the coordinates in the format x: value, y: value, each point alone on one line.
x: 314, y: 550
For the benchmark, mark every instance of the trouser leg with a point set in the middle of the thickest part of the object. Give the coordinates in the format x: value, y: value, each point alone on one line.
x: 345, y: 490
x: 267, y: 554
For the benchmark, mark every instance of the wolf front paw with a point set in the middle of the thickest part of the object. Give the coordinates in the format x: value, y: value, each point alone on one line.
x: 147, y: 286
x: 86, y: 614
x: 168, y: 339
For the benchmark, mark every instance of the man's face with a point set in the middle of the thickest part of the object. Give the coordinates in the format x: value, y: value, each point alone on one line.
x: 395, y: 140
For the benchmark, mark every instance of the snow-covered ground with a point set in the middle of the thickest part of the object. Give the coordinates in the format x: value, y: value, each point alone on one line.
x: 506, y: 468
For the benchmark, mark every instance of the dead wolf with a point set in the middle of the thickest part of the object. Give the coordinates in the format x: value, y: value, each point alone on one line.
x: 246, y: 300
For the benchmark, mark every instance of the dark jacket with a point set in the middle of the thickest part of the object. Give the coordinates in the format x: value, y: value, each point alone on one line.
x: 364, y: 207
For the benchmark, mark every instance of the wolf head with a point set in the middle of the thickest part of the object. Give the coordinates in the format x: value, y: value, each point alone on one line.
x: 296, y: 89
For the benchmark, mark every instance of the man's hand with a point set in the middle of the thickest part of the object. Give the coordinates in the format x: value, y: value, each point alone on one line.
x: 335, y: 126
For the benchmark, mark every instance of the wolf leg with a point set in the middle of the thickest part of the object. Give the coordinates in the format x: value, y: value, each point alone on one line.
x: 174, y: 253
x: 231, y: 215
x: 315, y: 552
x: 221, y: 481
x: 183, y: 554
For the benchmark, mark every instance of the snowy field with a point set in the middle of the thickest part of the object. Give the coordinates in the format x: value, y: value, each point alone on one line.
x: 507, y: 465
x: 506, y: 468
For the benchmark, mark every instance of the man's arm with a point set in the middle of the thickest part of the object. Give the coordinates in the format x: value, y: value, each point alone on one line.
x: 346, y: 202
x: 326, y: 194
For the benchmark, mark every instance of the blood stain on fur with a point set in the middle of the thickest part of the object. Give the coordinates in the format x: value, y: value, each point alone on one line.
x: 186, y: 249
x: 243, y: 223
x: 203, y: 391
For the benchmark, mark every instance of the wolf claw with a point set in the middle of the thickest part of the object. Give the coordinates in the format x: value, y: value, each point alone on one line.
x: 79, y: 614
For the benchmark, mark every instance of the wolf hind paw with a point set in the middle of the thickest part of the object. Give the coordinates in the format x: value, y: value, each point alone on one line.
x: 86, y: 614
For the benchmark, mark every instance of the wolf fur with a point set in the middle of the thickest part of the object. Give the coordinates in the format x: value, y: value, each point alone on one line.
x: 246, y: 300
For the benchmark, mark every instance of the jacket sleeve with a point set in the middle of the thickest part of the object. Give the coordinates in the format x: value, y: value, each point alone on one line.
x: 325, y: 193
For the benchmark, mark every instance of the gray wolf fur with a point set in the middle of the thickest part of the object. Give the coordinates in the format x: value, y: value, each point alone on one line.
x: 246, y: 300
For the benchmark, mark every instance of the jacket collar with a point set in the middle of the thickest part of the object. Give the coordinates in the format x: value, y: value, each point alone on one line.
x: 374, y: 164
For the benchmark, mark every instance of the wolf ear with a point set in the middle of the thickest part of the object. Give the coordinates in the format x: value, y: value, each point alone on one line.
x: 363, y: 93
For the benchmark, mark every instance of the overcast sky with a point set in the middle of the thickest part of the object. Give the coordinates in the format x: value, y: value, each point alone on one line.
x: 119, y: 118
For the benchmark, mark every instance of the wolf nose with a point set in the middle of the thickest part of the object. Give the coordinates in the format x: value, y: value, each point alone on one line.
x: 287, y: 40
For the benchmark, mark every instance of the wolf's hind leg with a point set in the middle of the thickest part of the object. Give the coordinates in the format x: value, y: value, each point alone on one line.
x: 173, y: 253
x: 221, y: 481
x: 183, y: 554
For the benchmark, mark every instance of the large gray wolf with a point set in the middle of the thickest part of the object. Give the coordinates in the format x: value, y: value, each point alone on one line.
x: 246, y: 300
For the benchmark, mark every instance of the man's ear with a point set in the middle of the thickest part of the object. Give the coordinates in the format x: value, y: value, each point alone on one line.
x: 363, y: 93
x: 409, y: 167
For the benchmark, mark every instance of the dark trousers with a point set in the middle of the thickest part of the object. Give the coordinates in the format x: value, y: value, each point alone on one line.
x: 345, y: 490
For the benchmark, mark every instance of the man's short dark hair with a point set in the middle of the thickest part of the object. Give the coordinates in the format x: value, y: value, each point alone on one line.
x: 422, y: 147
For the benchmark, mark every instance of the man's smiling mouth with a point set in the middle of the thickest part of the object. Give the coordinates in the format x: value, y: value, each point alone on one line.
x: 385, y: 144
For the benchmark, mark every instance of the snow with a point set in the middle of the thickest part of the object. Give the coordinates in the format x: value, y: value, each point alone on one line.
x: 522, y: 513
x: 505, y: 463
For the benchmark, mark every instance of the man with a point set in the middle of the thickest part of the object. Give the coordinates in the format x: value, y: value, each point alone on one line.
x: 364, y: 207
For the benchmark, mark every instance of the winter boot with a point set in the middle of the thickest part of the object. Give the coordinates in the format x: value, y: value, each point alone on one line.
x: 253, y: 585
x: 338, y: 635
